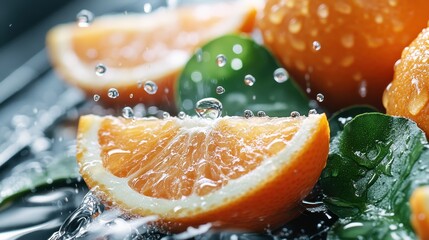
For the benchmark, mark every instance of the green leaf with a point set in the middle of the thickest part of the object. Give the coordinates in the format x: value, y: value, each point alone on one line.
x: 339, y: 119
x: 202, y: 75
x: 30, y: 175
x: 374, y: 165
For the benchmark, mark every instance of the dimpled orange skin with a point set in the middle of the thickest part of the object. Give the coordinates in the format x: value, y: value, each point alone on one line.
x: 408, y: 94
x: 419, y: 203
x: 360, y: 40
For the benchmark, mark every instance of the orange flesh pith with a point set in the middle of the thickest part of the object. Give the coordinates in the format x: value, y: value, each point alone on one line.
x: 164, y: 161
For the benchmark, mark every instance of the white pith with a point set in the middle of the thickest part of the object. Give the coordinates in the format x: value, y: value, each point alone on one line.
x: 119, y: 190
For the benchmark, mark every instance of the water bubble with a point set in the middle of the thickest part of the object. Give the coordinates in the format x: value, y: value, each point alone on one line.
x: 221, y: 60
x: 209, y: 108
x: 280, y: 75
x: 249, y: 80
x: 127, y: 112
x: 84, y: 18
x: 96, y: 97
x: 261, y: 114
x: 220, y: 90
x: 100, y: 69
x: 320, y: 97
x: 165, y: 115
x: 237, y: 48
x: 312, y: 111
x: 316, y: 45
x: 150, y: 87
x: 248, y: 113
x: 113, y: 93
x: 147, y: 7
x: 181, y: 115
x: 295, y: 114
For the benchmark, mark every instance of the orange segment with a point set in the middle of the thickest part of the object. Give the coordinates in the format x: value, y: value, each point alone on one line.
x: 137, y: 48
x: 419, y: 202
x: 232, y: 172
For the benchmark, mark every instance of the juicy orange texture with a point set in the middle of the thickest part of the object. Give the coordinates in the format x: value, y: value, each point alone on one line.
x: 232, y: 172
x: 140, y: 47
x: 408, y: 94
x: 360, y: 40
x: 419, y: 203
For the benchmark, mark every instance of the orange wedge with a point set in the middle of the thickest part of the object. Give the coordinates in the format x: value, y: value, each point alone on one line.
x: 419, y: 203
x: 232, y: 172
x: 136, y: 48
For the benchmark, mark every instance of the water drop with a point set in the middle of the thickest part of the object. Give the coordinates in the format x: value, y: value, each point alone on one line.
x: 96, y: 97
x: 84, y: 18
x: 261, y: 114
x: 312, y: 111
x: 220, y: 90
x: 362, y: 89
x: 281, y: 75
x: 323, y: 11
x: 209, y: 108
x: 249, y: 80
x: 294, y: 25
x: 199, y: 55
x: 221, y: 60
x: 316, y: 45
x: 248, y: 113
x: 295, y: 114
x: 127, y: 112
x: 150, y: 87
x: 165, y: 115
x: 147, y: 7
x: 320, y: 97
x: 113, y: 93
x: 237, y: 48
x: 100, y: 69
x: 181, y: 115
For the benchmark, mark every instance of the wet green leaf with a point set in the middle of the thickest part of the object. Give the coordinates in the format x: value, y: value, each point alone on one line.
x: 30, y: 175
x: 340, y: 118
x: 202, y: 75
x: 374, y: 165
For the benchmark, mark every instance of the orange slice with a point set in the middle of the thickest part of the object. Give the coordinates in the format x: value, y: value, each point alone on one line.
x: 419, y: 203
x: 136, y: 48
x: 231, y: 172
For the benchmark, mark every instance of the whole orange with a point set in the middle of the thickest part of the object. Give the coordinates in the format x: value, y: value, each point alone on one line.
x: 344, y: 49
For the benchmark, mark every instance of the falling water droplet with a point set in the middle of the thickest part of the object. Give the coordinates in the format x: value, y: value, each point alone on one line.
x: 280, y: 75
x: 100, y: 69
x: 249, y: 80
x: 113, y: 93
x: 320, y: 97
x: 96, y: 97
x: 221, y: 60
x: 209, y: 108
x: 295, y: 114
x: 220, y: 90
x: 147, y: 7
x: 127, y: 112
x: 261, y: 114
x: 181, y: 115
x: 150, y: 87
x: 316, y: 46
x: 165, y: 115
x: 84, y: 18
x: 362, y: 89
x: 248, y: 113
x: 312, y: 111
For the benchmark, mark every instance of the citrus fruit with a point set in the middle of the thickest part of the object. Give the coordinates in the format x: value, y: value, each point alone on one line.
x: 408, y: 93
x: 126, y: 51
x: 248, y: 79
x: 231, y: 172
x: 419, y: 203
x: 344, y: 49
